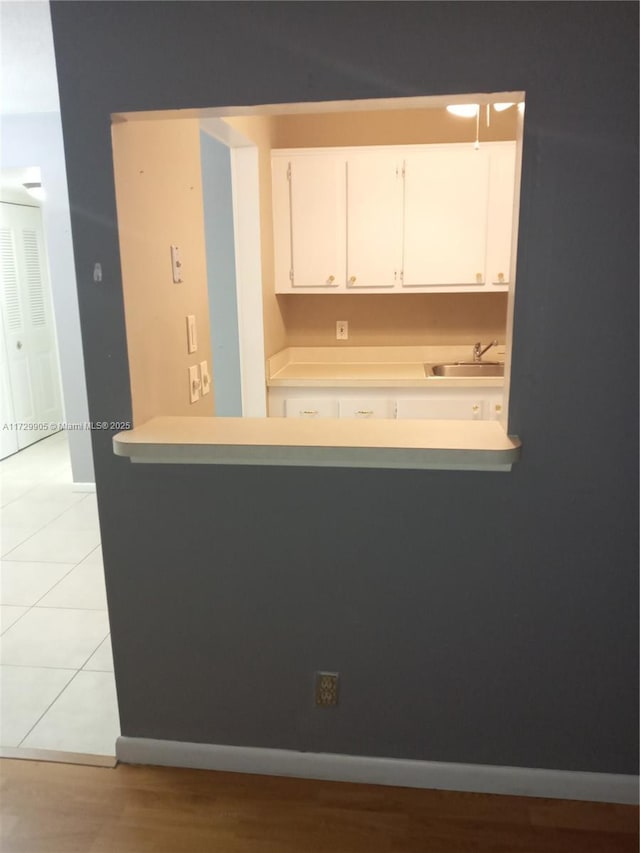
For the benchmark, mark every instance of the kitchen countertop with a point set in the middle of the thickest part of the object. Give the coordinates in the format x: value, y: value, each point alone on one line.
x: 333, y: 442
x: 374, y: 367
x: 449, y: 445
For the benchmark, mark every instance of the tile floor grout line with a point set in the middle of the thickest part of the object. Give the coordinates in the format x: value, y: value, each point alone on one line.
x: 48, y: 708
x: 72, y: 569
x: 39, y: 606
x: 39, y: 530
x: 38, y: 600
x: 28, y: 606
x: 44, y: 666
x: 31, y: 535
x: 4, y: 559
x: 4, y: 556
x: 95, y: 650
x: 8, y: 503
x: 37, y: 666
x: 50, y: 562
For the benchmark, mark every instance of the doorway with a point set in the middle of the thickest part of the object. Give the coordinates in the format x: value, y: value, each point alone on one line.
x: 31, y: 387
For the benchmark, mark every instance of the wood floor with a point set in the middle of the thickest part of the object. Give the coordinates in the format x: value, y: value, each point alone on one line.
x: 58, y: 808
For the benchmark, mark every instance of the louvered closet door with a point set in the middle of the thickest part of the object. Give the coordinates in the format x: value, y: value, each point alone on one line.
x: 27, y: 319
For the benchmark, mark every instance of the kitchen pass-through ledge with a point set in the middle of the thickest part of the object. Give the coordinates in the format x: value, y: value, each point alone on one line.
x: 345, y: 443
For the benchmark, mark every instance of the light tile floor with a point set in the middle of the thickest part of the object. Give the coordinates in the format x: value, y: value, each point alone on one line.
x: 56, y: 669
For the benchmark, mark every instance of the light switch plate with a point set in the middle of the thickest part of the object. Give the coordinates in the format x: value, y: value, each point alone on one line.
x: 205, y: 379
x: 192, y: 334
x: 194, y: 383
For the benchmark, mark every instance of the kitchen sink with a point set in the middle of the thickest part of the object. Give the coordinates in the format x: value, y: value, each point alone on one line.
x: 466, y: 368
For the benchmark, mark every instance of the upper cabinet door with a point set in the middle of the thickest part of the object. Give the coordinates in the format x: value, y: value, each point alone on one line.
x: 446, y: 198
x: 374, y: 219
x: 316, y: 193
x: 500, y: 220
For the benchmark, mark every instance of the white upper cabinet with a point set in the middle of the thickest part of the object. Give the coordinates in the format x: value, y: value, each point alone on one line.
x: 309, y: 198
x: 500, y: 213
x: 374, y: 219
x: 445, y: 224
x: 416, y: 218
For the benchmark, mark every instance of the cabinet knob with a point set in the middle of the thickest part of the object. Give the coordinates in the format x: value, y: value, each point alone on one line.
x: 332, y: 278
x: 352, y: 279
x: 501, y: 277
x: 479, y: 277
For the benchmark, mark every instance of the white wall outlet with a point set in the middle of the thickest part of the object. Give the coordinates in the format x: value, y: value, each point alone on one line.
x: 194, y: 383
x: 176, y: 265
x: 342, y: 330
x: 192, y: 334
x: 205, y: 379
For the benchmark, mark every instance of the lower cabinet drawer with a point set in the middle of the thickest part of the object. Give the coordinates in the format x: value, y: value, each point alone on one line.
x: 310, y: 407
x: 448, y: 408
x: 364, y: 408
x: 438, y: 404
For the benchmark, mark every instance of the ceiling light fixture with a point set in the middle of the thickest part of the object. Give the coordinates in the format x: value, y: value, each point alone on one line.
x: 500, y: 107
x: 34, y: 188
x: 463, y: 110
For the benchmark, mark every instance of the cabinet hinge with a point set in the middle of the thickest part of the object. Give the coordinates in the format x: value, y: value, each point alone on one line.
x: 290, y: 275
x: 289, y: 171
x: 404, y: 170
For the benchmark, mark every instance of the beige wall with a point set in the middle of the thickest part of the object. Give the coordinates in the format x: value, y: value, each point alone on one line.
x: 392, y: 319
x: 389, y: 127
x: 159, y: 201
x: 259, y: 129
x: 395, y: 319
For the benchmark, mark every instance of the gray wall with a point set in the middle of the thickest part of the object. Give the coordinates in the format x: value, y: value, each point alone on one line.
x: 475, y: 617
x: 217, y: 196
x: 35, y: 139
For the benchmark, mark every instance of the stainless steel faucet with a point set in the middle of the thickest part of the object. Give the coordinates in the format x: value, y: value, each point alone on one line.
x: 478, y: 351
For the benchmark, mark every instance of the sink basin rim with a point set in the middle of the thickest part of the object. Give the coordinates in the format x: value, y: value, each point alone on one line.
x: 466, y: 370
x: 467, y: 363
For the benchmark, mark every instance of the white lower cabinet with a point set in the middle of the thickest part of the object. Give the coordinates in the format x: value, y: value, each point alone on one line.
x: 436, y: 406
x: 309, y: 407
x: 366, y: 407
x: 471, y: 404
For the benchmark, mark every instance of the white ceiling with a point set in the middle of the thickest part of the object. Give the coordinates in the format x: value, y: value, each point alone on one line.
x: 28, y: 81
x: 11, y: 185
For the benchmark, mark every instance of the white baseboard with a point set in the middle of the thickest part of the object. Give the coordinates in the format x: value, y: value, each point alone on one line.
x: 480, y: 778
x: 84, y: 487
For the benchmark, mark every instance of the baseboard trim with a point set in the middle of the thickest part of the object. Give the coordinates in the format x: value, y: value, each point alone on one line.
x: 479, y: 778
x: 84, y: 487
